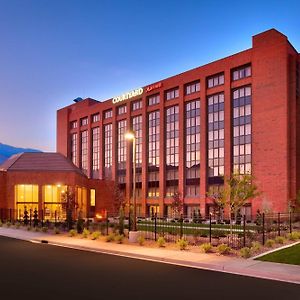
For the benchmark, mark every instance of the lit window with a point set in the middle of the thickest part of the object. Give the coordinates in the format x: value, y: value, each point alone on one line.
x: 92, y: 197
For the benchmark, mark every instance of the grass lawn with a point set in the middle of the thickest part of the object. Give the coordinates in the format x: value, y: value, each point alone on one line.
x: 289, y: 255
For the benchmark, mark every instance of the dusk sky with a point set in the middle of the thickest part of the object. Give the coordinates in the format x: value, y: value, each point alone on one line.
x: 54, y: 51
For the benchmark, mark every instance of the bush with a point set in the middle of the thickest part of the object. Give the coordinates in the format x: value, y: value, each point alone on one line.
x: 161, y: 242
x: 85, y: 233
x: 223, y: 249
x: 141, y: 240
x: 37, y: 229
x: 182, y: 244
x: 119, y: 238
x: 45, y: 229
x: 279, y: 239
x: 245, y: 252
x: 1, y: 223
x: 110, y: 237
x: 8, y: 224
x: 56, y: 230
x: 17, y: 225
x: 270, y: 243
x: 96, y: 235
x: 206, y: 247
x: 72, y: 232
x: 255, y: 246
x: 293, y: 236
x: 28, y: 228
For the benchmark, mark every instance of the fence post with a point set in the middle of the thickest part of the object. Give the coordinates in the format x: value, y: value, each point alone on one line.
x: 10, y: 218
x: 210, y: 228
x: 155, y: 226
x: 181, y: 226
x: 244, y: 230
x: 263, y: 228
x: 290, y: 222
x: 107, y: 222
x: 278, y: 222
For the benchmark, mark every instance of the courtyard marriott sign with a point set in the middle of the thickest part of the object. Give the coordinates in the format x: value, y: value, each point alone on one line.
x: 129, y: 95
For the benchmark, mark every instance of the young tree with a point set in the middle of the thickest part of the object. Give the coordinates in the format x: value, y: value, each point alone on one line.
x: 26, y: 216
x: 70, y: 203
x: 35, y: 218
x: 177, y: 204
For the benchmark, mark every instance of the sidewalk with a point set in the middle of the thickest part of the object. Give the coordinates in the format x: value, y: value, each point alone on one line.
x: 246, y: 267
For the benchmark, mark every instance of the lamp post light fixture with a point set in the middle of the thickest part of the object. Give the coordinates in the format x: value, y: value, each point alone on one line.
x: 130, y: 136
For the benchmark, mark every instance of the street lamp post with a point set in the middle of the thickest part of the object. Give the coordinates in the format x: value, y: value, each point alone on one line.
x: 131, y: 136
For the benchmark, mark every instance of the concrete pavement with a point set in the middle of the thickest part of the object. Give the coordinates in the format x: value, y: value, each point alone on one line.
x: 214, y: 262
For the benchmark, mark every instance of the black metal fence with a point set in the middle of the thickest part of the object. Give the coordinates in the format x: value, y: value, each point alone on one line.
x: 240, y: 233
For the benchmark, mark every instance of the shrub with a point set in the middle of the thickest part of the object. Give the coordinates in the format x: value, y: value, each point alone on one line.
x: 223, y: 249
x: 1, y: 223
x: 17, y: 225
x: 8, y: 224
x: 85, y: 233
x: 56, y: 230
x: 141, y: 240
x: 45, y: 229
x: 119, y: 238
x: 182, y: 244
x: 293, y: 236
x: 28, y: 228
x: 96, y: 235
x: 72, y: 232
x: 270, y: 243
x: 279, y: 239
x: 37, y: 229
x: 110, y: 237
x: 255, y: 246
x: 245, y: 252
x: 206, y: 247
x: 161, y: 242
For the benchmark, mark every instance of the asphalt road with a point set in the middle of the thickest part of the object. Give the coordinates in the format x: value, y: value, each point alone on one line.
x: 41, y: 271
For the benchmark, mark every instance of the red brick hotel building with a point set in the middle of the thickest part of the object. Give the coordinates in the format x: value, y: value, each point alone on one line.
x: 238, y: 113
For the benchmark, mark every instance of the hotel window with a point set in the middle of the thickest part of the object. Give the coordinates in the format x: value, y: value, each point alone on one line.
x: 154, y: 99
x: 84, y: 151
x: 192, y: 131
x: 193, y: 87
x: 108, y: 114
x: 122, y: 110
x: 215, y: 138
x: 241, y: 72
x: 74, y: 141
x: 95, y: 152
x: 84, y: 121
x: 92, y: 197
x: 215, y: 80
x: 73, y: 124
x: 95, y: 118
x: 137, y: 128
x: 242, y: 130
x: 172, y: 150
x: 172, y: 94
x: 107, y: 151
x: 153, y: 153
x: 121, y: 166
x: 137, y: 105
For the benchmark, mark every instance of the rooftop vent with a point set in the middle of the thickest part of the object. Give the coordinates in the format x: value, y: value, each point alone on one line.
x: 78, y: 99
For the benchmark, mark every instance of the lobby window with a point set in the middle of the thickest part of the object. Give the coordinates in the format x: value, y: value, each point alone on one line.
x: 108, y: 114
x: 121, y: 163
x: 215, y: 80
x: 74, y: 142
x: 138, y: 104
x: 153, y: 153
x: 92, y: 197
x: 154, y: 99
x: 241, y: 72
x: 107, y: 150
x: 215, y: 137
x: 137, y: 128
x: 84, y: 151
x: 73, y: 124
x: 172, y: 149
x: 192, y: 138
x: 84, y: 121
x: 172, y: 94
x: 192, y: 87
x: 242, y: 130
x: 95, y: 118
x: 122, y: 110
x: 95, y: 152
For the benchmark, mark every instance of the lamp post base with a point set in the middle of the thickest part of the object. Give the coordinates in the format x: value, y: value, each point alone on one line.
x: 133, y: 236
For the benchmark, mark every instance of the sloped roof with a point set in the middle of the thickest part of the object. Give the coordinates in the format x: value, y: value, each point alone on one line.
x: 39, y: 162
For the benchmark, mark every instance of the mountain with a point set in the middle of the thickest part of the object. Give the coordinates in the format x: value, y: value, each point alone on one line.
x: 6, y: 151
